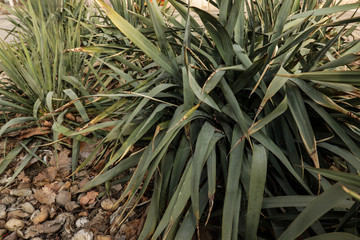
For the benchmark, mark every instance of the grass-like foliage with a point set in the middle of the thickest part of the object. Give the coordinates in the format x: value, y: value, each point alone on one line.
x: 236, y: 118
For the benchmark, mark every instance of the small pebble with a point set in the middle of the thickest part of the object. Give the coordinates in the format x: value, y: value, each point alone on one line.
x: 101, y: 237
x: 2, y: 211
x: 39, y: 216
x: 80, y: 223
x: 27, y: 207
x: 66, y: 186
x: 74, y: 188
x: 83, y: 234
x: 62, y: 217
x: 63, y: 197
x: 52, y: 226
x: 18, y: 214
x: 71, y: 206
x: 8, y: 200
x: 14, y: 224
x: 107, y: 204
x: 33, y: 231
x: 83, y: 214
x: 20, y: 192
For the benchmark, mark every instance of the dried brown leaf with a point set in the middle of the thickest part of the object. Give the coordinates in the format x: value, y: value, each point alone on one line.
x: 41, y: 177
x: 89, y: 198
x: 63, y: 162
x: 51, y: 172
x: 34, y: 132
x: 45, y: 196
x: 22, y: 177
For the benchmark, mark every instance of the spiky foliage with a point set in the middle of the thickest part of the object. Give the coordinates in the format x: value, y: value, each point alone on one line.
x: 236, y: 119
x: 242, y: 109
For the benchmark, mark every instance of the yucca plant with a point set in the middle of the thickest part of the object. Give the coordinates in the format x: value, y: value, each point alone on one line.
x: 229, y: 122
x: 47, y: 79
x: 239, y: 120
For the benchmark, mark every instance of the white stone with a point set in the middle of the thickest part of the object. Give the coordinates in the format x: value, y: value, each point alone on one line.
x: 83, y: 234
x: 80, y: 223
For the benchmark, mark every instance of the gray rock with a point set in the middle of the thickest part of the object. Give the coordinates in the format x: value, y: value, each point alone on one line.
x: 27, y: 207
x: 2, y: 211
x: 80, y: 223
x: 17, y: 214
x: 8, y: 200
x: 65, y: 217
x: 20, y: 192
x: 33, y: 231
x: 83, y: 234
x: 12, y: 236
x: 14, y: 224
x: 52, y: 226
x: 71, y: 206
x: 63, y: 197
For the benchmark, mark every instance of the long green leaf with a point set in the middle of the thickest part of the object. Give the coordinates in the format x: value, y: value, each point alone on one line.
x: 140, y: 40
x: 325, y: 11
x: 299, y: 112
x: 232, y: 185
x: 314, y: 211
x: 347, y: 178
x: 256, y: 191
x: 334, y: 236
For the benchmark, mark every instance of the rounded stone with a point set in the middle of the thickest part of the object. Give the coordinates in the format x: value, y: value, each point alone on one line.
x: 80, y: 223
x: 71, y: 206
x: 27, y: 207
x: 8, y: 200
x: 107, y: 204
x: 2, y: 211
x: 52, y: 226
x: 63, y: 197
x: 18, y: 214
x: 39, y: 216
x: 20, y: 192
x: 14, y: 224
x: 83, y: 234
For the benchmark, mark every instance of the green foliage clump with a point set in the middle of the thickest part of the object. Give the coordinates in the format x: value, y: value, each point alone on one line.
x: 236, y: 117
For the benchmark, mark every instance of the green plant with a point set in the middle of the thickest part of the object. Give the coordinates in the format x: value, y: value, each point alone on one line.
x: 46, y: 77
x: 234, y: 117
x: 236, y: 113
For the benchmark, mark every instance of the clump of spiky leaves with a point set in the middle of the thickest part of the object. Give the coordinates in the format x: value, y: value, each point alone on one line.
x: 229, y: 118
x: 47, y: 78
x: 237, y: 118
